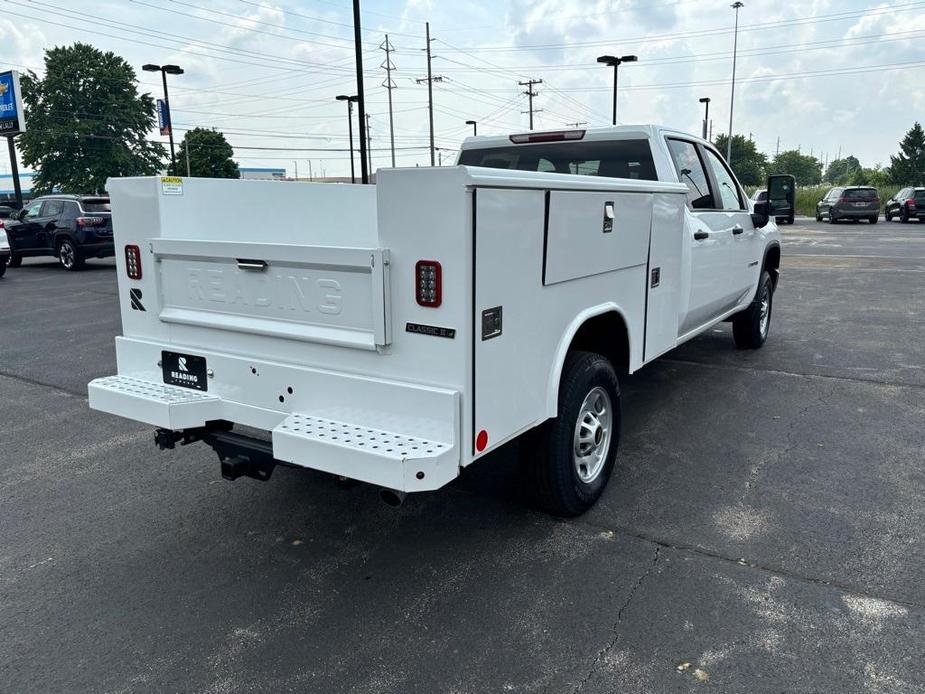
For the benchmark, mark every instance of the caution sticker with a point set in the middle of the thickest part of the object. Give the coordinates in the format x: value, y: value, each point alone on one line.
x: 171, y: 185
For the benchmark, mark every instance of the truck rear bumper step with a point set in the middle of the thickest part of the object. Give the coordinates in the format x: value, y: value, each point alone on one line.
x: 170, y: 407
x: 358, y: 449
x: 386, y: 458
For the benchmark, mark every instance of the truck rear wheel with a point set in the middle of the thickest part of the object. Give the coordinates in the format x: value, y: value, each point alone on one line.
x: 573, y: 455
x: 750, y: 327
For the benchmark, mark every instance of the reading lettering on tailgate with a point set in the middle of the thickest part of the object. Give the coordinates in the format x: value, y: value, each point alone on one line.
x: 287, y: 291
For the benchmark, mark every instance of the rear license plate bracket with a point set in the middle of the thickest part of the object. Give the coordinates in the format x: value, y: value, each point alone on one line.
x: 186, y: 370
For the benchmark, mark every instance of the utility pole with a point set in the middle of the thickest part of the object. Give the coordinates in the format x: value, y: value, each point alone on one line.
x: 360, y: 100
x: 777, y: 149
x: 389, y: 85
x: 711, y: 131
x: 732, y: 94
x: 439, y: 158
x: 530, y: 93
x: 186, y: 149
x: 369, y: 150
x: 296, y: 164
x: 310, y: 175
x: 430, y: 94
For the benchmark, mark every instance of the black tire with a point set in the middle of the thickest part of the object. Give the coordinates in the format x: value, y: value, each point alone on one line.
x: 831, y: 218
x: 69, y: 255
x: 552, y: 466
x: 818, y: 216
x: 887, y: 216
x: 14, y: 261
x: 790, y: 219
x: 3, y: 262
x: 748, y: 329
x: 874, y: 219
x: 903, y: 217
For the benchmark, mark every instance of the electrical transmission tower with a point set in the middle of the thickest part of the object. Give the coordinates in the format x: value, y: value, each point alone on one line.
x: 390, y: 85
x: 530, y: 93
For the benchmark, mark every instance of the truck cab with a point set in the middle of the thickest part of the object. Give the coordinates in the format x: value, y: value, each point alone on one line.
x: 397, y: 333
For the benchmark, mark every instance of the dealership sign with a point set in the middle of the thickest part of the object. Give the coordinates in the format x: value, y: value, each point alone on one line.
x: 163, y: 117
x: 12, y: 118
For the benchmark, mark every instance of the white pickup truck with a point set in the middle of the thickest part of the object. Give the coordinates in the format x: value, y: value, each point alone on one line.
x: 397, y: 333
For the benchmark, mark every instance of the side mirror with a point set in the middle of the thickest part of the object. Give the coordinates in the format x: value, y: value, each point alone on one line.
x: 760, y: 215
x: 781, y: 196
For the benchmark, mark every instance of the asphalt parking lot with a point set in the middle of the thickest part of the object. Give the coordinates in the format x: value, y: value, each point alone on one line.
x: 763, y: 531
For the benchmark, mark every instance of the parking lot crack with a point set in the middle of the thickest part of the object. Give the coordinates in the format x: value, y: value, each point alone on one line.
x: 615, y: 632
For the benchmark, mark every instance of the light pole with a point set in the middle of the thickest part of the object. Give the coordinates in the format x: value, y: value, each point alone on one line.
x: 350, y: 100
x: 615, y: 62
x: 166, y: 70
x: 706, y: 115
x: 475, y: 129
x: 732, y: 95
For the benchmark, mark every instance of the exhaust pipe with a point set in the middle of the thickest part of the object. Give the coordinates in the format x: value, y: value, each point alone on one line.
x: 392, y: 497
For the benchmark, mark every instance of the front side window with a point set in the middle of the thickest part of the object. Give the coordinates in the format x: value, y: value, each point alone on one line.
x: 691, y: 173
x: 728, y: 188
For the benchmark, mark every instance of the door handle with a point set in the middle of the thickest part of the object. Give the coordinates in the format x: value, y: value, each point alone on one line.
x: 700, y: 235
x: 248, y: 264
x: 737, y: 229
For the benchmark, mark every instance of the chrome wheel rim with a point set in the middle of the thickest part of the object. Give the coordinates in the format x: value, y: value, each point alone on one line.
x: 593, y: 434
x: 67, y: 254
x: 764, y: 311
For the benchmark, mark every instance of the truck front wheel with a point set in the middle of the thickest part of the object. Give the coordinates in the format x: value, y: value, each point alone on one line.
x: 573, y: 455
x: 750, y: 327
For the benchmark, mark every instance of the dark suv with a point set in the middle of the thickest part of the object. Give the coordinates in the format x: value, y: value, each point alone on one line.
x: 855, y: 202
x: 70, y: 227
x: 907, y: 204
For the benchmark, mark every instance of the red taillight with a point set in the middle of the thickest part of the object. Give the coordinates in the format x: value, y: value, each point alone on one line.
x: 428, y: 280
x: 554, y: 136
x: 133, y: 262
x: 910, y: 203
x: 841, y: 201
x: 90, y: 221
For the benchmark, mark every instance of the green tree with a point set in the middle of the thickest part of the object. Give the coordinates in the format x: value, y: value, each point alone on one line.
x: 209, y: 155
x: 807, y: 170
x: 86, y: 121
x: 840, y: 171
x: 747, y: 162
x: 908, y: 167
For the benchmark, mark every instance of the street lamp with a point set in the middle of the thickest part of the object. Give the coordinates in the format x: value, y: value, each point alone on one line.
x: 732, y: 95
x: 166, y: 70
x: 350, y: 100
x: 706, y: 114
x: 474, y: 127
x: 615, y: 62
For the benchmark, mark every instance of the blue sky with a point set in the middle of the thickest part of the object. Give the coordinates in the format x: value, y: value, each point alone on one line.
x: 822, y: 75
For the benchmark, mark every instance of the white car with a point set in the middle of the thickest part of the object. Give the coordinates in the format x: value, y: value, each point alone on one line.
x: 398, y: 333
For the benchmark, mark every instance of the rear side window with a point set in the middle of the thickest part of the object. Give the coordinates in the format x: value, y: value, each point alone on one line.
x: 615, y: 158
x: 728, y: 189
x: 52, y: 208
x: 691, y: 173
x: 860, y: 193
x: 101, y: 205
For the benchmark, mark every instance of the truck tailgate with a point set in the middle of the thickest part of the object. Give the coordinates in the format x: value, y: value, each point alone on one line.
x: 325, y: 294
